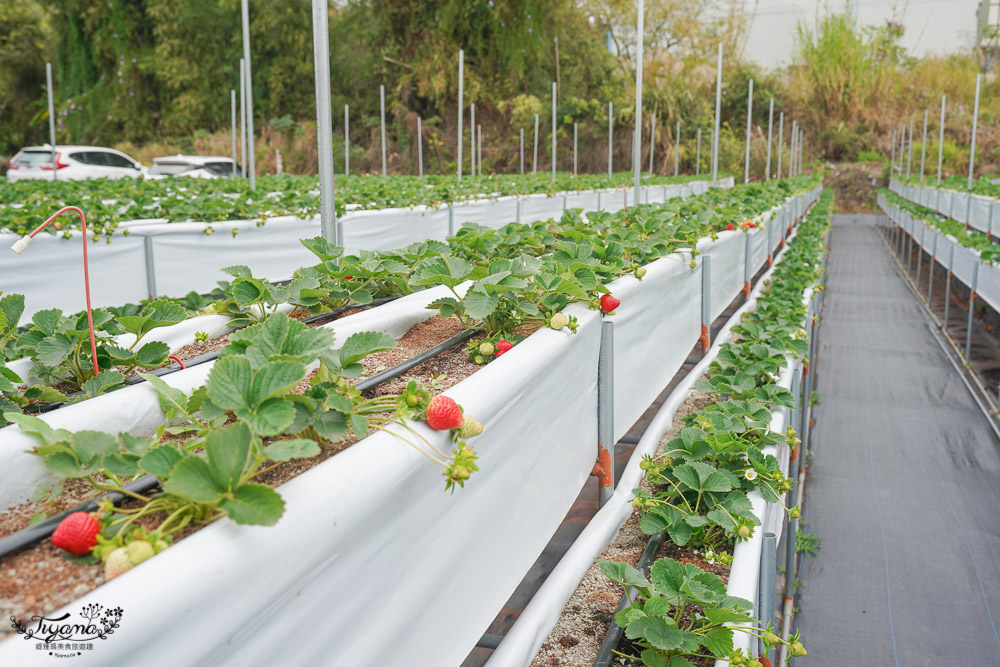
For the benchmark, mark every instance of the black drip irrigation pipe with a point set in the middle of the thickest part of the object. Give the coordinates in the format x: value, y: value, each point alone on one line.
x: 322, y: 318
x: 611, y: 640
x: 38, y: 532
x: 24, y: 538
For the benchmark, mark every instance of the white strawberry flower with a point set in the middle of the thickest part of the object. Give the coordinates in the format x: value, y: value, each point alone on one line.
x: 750, y: 474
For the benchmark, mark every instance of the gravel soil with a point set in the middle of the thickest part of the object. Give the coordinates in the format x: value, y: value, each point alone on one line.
x: 577, y: 635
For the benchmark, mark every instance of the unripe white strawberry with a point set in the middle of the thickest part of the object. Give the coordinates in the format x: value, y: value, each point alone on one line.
x: 139, y: 551
x: 558, y: 321
x: 487, y: 349
x: 118, y: 563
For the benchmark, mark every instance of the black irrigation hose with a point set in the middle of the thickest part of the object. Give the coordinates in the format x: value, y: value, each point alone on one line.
x: 38, y: 532
x: 611, y: 640
x: 322, y: 318
x: 415, y: 361
x: 24, y: 538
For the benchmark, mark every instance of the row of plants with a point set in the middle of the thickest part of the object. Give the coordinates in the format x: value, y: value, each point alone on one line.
x: 973, y: 239
x: 703, y: 478
x: 521, y: 276
x: 988, y: 186
x: 25, y: 204
x: 260, y: 407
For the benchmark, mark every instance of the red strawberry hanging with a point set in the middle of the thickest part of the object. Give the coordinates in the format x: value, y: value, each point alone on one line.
x: 443, y: 414
x: 76, y: 534
x: 609, y: 303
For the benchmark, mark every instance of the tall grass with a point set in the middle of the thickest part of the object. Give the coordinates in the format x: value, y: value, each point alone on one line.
x: 852, y: 87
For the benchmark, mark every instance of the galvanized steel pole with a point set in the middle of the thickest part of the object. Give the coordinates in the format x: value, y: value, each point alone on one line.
x: 232, y: 104
x: 611, y: 130
x: 461, y: 90
x: 652, y: 144
x: 243, y: 113
x: 770, y: 126
x: 420, y: 147
x: 52, y: 119
x: 781, y: 138
x: 381, y: 96
x: 637, y: 133
x: 941, y: 139
x: 718, y: 111
x: 248, y: 119
x: 975, y: 125
x: 554, y: 91
x: 677, y: 150
x: 347, y: 139
x: 746, y: 160
x: 324, y: 119
x: 923, y: 148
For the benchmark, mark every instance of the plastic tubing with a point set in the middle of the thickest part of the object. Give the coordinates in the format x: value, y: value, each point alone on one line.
x: 22, y: 244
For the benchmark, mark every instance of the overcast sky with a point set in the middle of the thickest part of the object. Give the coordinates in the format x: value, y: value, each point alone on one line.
x: 932, y: 26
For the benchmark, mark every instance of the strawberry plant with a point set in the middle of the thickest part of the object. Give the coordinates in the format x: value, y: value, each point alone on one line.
x: 683, y: 612
x: 59, y: 346
x: 973, y: 239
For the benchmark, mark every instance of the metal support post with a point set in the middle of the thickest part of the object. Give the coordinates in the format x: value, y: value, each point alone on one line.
x: 972, y: 303
x: 706, y: 303
x: 920, y: 253
x: 930, y: 271
x: 604, y: 468
x: 420, y: 147
x: 947, y: 287
x: 150, y: 267
x: 766, y: 584
x: 770, y: 127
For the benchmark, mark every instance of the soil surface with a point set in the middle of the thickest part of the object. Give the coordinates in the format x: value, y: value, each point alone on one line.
x: 856, y: 184
x: 577, y: 636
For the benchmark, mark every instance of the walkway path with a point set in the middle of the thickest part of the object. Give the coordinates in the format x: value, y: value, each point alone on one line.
x: 904, y: 484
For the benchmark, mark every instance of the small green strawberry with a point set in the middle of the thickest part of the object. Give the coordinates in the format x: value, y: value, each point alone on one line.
x: 487, y: 349
x: 798, y: 650
x: 479, y: 360
x: 470, y: 428
x: 770, y: 638
x: 743, y: 531
x: 640, y: 272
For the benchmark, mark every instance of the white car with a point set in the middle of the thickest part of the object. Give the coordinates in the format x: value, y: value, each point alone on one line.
x: 193, y: 166
x: 72, y: 163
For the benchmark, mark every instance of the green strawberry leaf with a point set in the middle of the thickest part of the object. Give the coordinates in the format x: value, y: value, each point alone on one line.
x: 286, y: 450
x: 254, y: 504
x: 102, y: 382
x: 228, y: 451
x: 192, y: 478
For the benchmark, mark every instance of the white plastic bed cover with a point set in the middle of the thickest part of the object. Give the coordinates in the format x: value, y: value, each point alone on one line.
x: 940, y: 246
x: 533, y: 625
x: 373, y: 519
x: 979, y: 212
x: 185, y: 258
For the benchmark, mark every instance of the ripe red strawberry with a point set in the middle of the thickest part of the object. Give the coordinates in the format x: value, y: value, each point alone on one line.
x: 76, y: 534
x: 730, y: 227
x: 503, y: 346
x: 751, y: 224
x: 609, y: 303
x: 444, y: 414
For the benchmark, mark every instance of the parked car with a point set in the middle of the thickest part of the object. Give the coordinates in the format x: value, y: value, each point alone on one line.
x: 73, y: 163
x: 194, y: 166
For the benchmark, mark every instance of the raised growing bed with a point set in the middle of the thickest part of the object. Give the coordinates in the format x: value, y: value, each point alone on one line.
x: 141, y: 261
x: 976, y: 210
x: 359, y: 517
x: 534, y: 623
